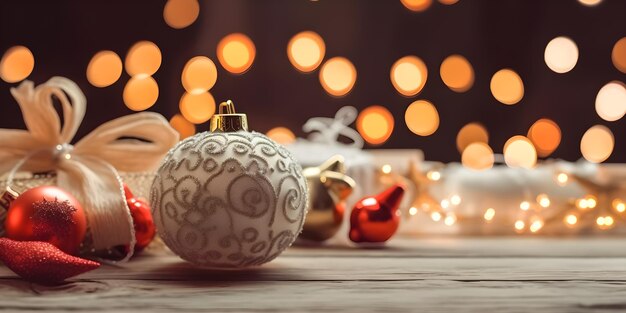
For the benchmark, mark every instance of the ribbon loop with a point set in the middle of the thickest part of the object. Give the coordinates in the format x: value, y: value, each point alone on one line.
x: 327, y: 130
x: 88, y: 170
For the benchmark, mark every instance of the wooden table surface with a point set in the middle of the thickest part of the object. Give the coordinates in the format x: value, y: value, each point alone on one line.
x: 425, y: 275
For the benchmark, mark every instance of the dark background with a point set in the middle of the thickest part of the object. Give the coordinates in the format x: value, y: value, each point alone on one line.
x: 64, y: 35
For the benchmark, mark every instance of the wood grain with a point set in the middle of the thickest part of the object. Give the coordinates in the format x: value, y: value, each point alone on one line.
x: 427, y: 275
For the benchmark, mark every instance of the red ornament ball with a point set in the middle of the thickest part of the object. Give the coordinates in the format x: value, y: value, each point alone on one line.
x: 49, y: 214
x: 376, y: 219
x: 142, y: 219
x: 41, y: 262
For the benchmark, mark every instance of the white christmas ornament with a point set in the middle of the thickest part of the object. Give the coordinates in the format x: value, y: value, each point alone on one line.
x: 229, y: 197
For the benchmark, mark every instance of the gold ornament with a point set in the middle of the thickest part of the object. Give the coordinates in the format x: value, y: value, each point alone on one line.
x: 329, y: 186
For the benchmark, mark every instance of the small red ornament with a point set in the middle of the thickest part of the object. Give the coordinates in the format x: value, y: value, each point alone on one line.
x: 142, y: 219
x: 49, y: 214
x: 41, y: 262
x: 376, y: 219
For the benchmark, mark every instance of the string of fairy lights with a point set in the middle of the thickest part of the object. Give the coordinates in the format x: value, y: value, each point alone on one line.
x: 306, y: 51
x: 602, y: 206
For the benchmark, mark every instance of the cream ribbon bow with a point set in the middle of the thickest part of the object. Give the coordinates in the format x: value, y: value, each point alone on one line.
x: 88, y: 169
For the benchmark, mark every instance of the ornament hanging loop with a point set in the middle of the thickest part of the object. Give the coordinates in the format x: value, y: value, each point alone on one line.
x: 229, y: 106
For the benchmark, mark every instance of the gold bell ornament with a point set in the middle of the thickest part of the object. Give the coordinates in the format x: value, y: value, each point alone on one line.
x: 329, y: 187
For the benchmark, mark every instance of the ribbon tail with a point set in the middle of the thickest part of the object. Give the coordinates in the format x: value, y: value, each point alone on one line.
x: 99, y: 189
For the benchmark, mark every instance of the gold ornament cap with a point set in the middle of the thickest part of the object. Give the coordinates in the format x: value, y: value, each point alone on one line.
x: 228, y: 120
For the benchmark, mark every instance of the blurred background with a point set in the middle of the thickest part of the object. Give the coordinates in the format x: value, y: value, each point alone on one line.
x: 418, y: 71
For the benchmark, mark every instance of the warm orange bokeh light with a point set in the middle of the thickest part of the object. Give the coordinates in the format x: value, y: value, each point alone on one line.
x: 422, y: 118
x: 144, y: 57
x: 408, y: 75
x: 618, y: 55
x: 477, y: 156
x: 375, y: 124
x: 197, y: 107
x: 611, y: 101
x: 306, y: 51
x: 448, y: 2
x: 561, y: 54
x: 181, y: 13
x: 457, y: 73
x: 417, y: 5
x: 545, y: 134
x: 282, y: 135
x: 183, y: 126
x: 199, y: 74
x: 104, y: 69
x: 338, y: 76
x: 16, y: 64
x: 507, y: 86
x: 597, y: 144
x: 471, y: 133
x: 236, y: 53
x: 141, y: 92
x: 520, y: 152
x: 590, y: 3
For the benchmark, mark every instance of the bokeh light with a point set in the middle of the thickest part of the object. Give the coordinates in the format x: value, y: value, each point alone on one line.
x: 306, y: 51
x: 618, y: 55
x: 490, y: 213
x: 422, y: 118
x: 611, y: 101
x: 144, y: 57
x: 448, y: 2
x: 199, y: 74
x: 197, y: 107
x: 104, y: 69
x: 507, y: 86
x: 375, y: 124
x: 545, y: 135
x: 141, y: 92
x: 16, y: 64
x: 520, y: 152
x: 183, y: 126
x: 597, y: 144
x: 543, y: 200
x: 338, y: 76
x: 282, y: 135
x: 524, y: 205
x: 477, y: 156
x: 561, y: 54
x: 457, y: 73
x: 570, y: 219
x: 181, y: 13
x: 417, y: 5
x: 590, y: 3
x: 236, y: 53
x: 471, y: 133
x: 409, y: 75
